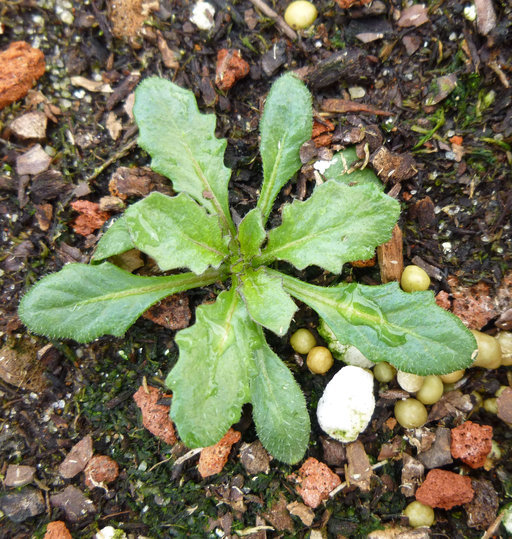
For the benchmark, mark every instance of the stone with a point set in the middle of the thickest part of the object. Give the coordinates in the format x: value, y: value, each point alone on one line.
x: 213, y: 458
x: 27, y: 503
x: 505, y: 405
x: 31, y: 125
x: 57, y: 530
x: 155, y: 417
x: 231, y: 67
x: 76, y: 460
x: 18, y: 475
x: 439, y: 454
x: 20, y: 66
x: 471, y: 443
x: 33, y: 162
x: 445, y: 489
x: 100, y: 471
x: 74, y: 503
x: 316, y: 481
x: 254, y: 458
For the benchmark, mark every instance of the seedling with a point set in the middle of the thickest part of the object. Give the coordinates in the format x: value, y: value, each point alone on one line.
x: 224, y: 359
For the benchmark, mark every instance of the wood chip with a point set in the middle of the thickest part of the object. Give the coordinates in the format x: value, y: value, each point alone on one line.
x: 342, y: 106
x: 359, y: 471
x: 390, y: 256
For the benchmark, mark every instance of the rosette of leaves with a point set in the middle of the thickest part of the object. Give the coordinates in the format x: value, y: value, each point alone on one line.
x: 224, y: 359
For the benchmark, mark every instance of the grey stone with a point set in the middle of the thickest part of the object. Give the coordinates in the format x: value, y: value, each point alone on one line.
x: 439, y: 454
x: 19, y: 475
x: 77, y: 459
x: 18, y: 506
x: 35, y: 161
x: 74, y: 503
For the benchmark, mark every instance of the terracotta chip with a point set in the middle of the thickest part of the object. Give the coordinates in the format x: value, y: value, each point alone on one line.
x: 316, y: 482
x: 445, y: 489
x: 471, y: 443
x: 213, y: 458
x: 155, y: 417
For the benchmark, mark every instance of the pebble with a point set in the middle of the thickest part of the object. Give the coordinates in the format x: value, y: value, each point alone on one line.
x: 77, y: 459
x: 18, y: 475
x: 439, y: 454
x: 445, y: 489
x: 74, y: 503
x: 33, y: 162
x: 471, y: 443
x: 31, y: 125
x: 18, y: 506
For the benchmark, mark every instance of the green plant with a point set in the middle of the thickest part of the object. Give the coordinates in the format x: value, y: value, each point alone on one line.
x: 224, y: 360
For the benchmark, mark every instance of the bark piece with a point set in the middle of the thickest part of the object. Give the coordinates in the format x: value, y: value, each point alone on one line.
x: 334, y: 453
x: 33, y: 162
x: 44, y: 214
x: 169, y: 57
x: 415, y: 15
x: 278, y: 516
x: 451, y: 404
x: 57, y: 530
x: 100, y: 471
x: 18, y: 475
x: 412, y: 475
x: 230, y: 68
x: 137, y: 182
x: 30, y: 126
x: 471, y: 443
x: 439, y: 454
x: 20, y: 66
x: 172, y: 312
x: 392, y: 166
x: 316, y: 481
x: 343, y: 106
x: 254, y: 458
x: 74, y: 503
x: 359, y: 471
x: 505, y: 406
x: 445, y: 489
x: 155, y: 417
x: 423, y: 212
x: 305, y: 513
x: 391, y: 258
x: 76, y: 460
x: 483, y: 508
x: 19, y: 506
x: 48, y: 185
x: 91, y: 218
x: 213, y: 458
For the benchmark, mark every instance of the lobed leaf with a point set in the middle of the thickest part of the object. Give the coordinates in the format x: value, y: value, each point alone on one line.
x: 337, y: 224
x: 210, y: 382
x: 83, y: 302
x: 285, y: 126
x: 251, y: 234
x: 267, y: 302
x: 176, y: 232
x: 279, y: 408
x: 408, y: 330
x: 115, y: 241
x: 339, y: 168
x: 182, y: 144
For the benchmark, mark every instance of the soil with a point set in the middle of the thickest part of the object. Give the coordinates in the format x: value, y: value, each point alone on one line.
x: 450, y: 167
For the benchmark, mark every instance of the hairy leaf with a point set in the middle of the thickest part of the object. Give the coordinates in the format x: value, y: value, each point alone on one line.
x: 115, y: 241
x: 251, y: 234
x: 340, y: 165
x: 285, y: 126
x: 176, y: 232
x: 267, y: 302
x: 337, y: 224
x: 279, y: 407
x: 210, y: 382
x: 83, y: 302
x: 408, y: 330
x: 182, y: 144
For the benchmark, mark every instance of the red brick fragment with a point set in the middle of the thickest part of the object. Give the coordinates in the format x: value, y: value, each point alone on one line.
x: 316, y: 482
x: 100, y: 471
x: 20, y: 66
x: 57, y: 530
x: 473, y: 305
x: 155, y: 417
x: 230, y: 68
x: 213, y: 458
x: 445, y: 489
x: 443, y: 300
x: 471, y: 443
x: 91, y: 218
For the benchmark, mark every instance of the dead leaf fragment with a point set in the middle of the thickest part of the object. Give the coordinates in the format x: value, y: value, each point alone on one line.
x: 30, y: 126
x: 278, y: 516
x: 155, y: 417
x: 113, y: 125
x: 172, y: 312
x: 91, y: 218
x: 213, y: 458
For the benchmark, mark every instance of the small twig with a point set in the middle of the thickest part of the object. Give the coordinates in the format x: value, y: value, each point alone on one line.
x: 280, y: 22
x: 121, y: 153
x: 491, y: 530
x: 187, y: 456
